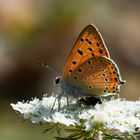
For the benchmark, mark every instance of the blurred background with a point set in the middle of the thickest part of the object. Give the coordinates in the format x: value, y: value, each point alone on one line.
x: 46, y: 30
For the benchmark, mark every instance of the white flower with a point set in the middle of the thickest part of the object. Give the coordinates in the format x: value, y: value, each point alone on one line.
x: 63, y: 118
x: 114, y: 114
x: 100, y: 117
x: 89, y: 124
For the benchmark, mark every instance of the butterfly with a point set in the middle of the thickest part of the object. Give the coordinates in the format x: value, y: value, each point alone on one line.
x: 89, y: 71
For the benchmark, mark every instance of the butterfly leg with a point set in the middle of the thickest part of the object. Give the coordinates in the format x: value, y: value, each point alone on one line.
x: 67, y: 96
x: 59, y: 103
x: 54, y: 103
x: 59, y: 99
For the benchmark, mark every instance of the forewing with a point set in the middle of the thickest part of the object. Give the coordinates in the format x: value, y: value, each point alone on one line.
x: 88, y: 44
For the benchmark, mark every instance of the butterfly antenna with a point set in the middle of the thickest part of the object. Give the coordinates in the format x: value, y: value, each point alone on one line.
x: 48, y: 67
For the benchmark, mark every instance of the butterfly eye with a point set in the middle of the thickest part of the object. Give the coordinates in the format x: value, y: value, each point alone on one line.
x: 57, y: 80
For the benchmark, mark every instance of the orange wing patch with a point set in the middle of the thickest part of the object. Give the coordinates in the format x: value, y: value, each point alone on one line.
x: 88, y: 44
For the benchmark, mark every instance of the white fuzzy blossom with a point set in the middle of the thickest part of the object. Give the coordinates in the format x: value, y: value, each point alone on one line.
x: 116, y: 114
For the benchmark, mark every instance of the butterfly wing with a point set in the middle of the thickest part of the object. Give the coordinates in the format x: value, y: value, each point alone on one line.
x: 96, y: 76
x: 88, y: 44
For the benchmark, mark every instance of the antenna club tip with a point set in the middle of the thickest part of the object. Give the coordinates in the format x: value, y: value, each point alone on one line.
x: 41, y: 63
x: 46, y: 66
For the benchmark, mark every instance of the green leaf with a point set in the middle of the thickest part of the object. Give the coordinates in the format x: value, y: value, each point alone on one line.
x: 49, y: 128
x: 60, y: 138
x: 73, y: 130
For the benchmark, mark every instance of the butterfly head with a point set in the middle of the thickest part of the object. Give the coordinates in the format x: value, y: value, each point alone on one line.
x: 57, y: 80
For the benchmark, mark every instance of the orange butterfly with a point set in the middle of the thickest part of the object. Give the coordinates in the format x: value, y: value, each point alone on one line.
x: 89, y: 71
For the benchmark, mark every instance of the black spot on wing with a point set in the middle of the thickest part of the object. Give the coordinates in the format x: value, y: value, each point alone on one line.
x: 91, y: 67
x: 80, y: 70
x: 89, y: 62
x: 101, y: 51
x: 75, y: 77
x: 114, y: 72
x: 74, y: 62
x: 98, y: 44
x: 106, y: 79
x: 80, y: 52
x: 82, y: 40
x: 89, y: 87
x: 90, y: 49
x: 99, y: 67
x: 116, y: 79
x: 90, y: 42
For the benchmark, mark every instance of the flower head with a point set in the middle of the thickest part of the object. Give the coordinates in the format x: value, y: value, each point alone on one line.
x: 114, y: 114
